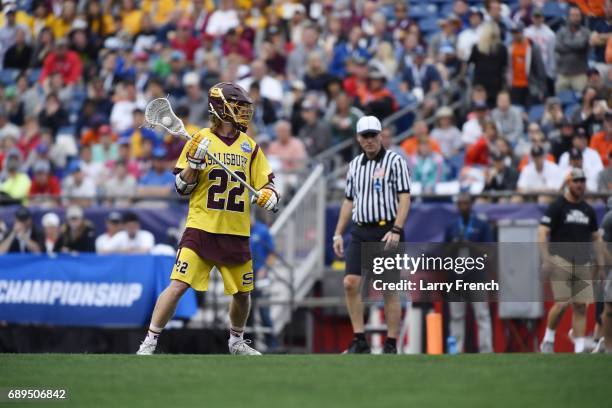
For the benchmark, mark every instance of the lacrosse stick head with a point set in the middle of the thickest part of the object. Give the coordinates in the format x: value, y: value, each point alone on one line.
x: 158, y: 112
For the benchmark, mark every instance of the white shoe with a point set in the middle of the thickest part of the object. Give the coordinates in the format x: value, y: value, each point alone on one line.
x: 547, y: 347
x: 589, y: 343
x: 242, y: 348
x: 600, y: 347
x: 147, y: 348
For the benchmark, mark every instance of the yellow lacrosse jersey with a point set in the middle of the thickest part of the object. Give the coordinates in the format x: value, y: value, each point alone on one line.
x: 220, y: 204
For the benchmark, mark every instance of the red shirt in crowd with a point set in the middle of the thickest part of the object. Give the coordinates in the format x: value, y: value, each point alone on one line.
x: 51, y: 187
x: 478, y: 153
x: 69, y: 66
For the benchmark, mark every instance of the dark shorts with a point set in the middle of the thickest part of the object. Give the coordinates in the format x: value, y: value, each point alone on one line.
x: 355, y: 265
x: 221, y: 248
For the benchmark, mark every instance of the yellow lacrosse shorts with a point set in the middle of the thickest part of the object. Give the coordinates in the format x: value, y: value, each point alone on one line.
x: 195, y: 272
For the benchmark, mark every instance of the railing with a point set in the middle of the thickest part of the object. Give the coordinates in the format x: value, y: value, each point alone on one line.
x: 298, y: 234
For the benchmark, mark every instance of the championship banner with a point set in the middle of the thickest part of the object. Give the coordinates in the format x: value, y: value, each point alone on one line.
x: 85, y: 290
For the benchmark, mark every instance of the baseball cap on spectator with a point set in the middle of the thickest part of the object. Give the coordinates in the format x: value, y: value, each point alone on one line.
x: 575, y: 154
x: 359, y: 60
x: 74, y: 211
x: 191, y: 79
x: 368, y: 124
x: 141, y: 56
x: 517, y: 27
x: 537, y: 151
x: 78, y: 24
x: 23, y: 214
x: 159, y: 153
x: 114, y: 43
x: 480, y: 105
x: 565, y: 122
x: 309, y: 105
x: 298, y: 85
x: 130, y: 217
x: 177, y: 55
x: 476, y: 10
x: 73, y: 167
x: 537, y: 12
x: 444, y: 112
x: 14, y: 153
x: 496, y: 155
x: 41, y: 167
x: 114, y: 217
x: 376, y: 74
x: 580, y: 133
x: 9, y: 8
x: 577, y: 174
x: 50, y: 220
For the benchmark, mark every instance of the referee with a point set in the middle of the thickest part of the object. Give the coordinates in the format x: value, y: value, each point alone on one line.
x: 377, y: 200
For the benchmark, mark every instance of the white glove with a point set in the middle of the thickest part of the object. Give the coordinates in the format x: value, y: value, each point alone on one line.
x: 196, y: 154
x: 267, y: 198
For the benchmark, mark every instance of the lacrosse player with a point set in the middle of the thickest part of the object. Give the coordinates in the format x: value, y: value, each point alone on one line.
x: 218, y: 223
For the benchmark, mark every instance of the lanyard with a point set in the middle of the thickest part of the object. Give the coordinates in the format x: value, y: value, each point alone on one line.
x: 463, y: 230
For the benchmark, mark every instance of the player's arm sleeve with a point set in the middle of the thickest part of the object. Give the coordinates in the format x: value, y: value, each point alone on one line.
x: 261, y: 172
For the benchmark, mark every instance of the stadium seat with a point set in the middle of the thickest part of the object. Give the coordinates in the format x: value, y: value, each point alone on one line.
x: 8, y: 76
x: 418, y: 12
x: 567, y: 97
x: 429, y: 26
x: 535, y: 113
x: 553, y: 9
x: 33, y: 75
x: 570, y: 110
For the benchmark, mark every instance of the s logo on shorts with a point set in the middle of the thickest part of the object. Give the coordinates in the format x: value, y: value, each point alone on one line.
x: 247, y: 278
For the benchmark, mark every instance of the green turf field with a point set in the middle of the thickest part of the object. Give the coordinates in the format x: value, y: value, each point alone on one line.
x: 321, y: 381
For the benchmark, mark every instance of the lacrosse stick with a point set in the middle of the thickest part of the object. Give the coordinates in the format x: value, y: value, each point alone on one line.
x: 158, y: 112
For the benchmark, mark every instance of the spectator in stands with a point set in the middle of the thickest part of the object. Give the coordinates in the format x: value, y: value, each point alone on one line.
x: 604, y: 179
x: 473, y: 128
x: 536, y: 138
x: 289, y: 149
x: 51, y: 228
x: 576, y: 161
x: 469, y: 226
x: 45, y: 188
x: 222, y: 19
x: 591, y: 116
x: 53, y: 116
x: 446, y: 133
x: 94, y: 171
x: 469, y: 36
x: 15, y: 184
x: 420, y: 78
x: 316, y: 76
x: 6, y: 127
x: 107, y: 242
x: 523, y: 12
x: 77, y: 234
x: 572, y: 48
x: 353, y: 46
x: 375, y: 99
x: 385, y: 60
x: 478, y: 153
x: 447, y: 36
x: 269, y: 86
x: 121, y: 117
x: 120, y: 187
x: 139, y: 132
x: 125, y: 156
x: 490, y: 59
x: 427, y: 166
x: 508, y: 118
x: 184, y: 40
x: 195, y: 99
x: 78, y: 188
x: 296, y: 62
x: 601, y: 141
x: 158, y: 181
x: 107, y: 149
x: 264, y: 110
x: 545, y: 38
x: 237, y: 48
x: 499, y: 176
x: 315, y: 133
x: 540, y: 175
x: 8, y: 33
x: 591, y: 160
x: 133, y: 239
x: 564, y: 141
x: 18, y: 55
x: 342, y: 117
x: 24, y: 237
x: 552, y: 117
x: 527, y: 74
x: 386, y: 136
x: 498, y: 15
x: 420, y: 131
x: 64, y: 61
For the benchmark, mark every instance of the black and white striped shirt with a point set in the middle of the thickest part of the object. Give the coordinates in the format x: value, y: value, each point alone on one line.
x: 373, y: 186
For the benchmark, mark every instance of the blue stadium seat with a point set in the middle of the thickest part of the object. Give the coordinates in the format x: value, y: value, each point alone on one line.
x: 567, y: 97
x: 8, y: 76
x: 535, y: 113
x: 569, y: 110
x: 553, y: 9
x: 33, y: 75
x: 429, y: 25
x: 418, y: 12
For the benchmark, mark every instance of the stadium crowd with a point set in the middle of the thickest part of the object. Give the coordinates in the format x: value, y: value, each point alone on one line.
x: 505, y: 96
